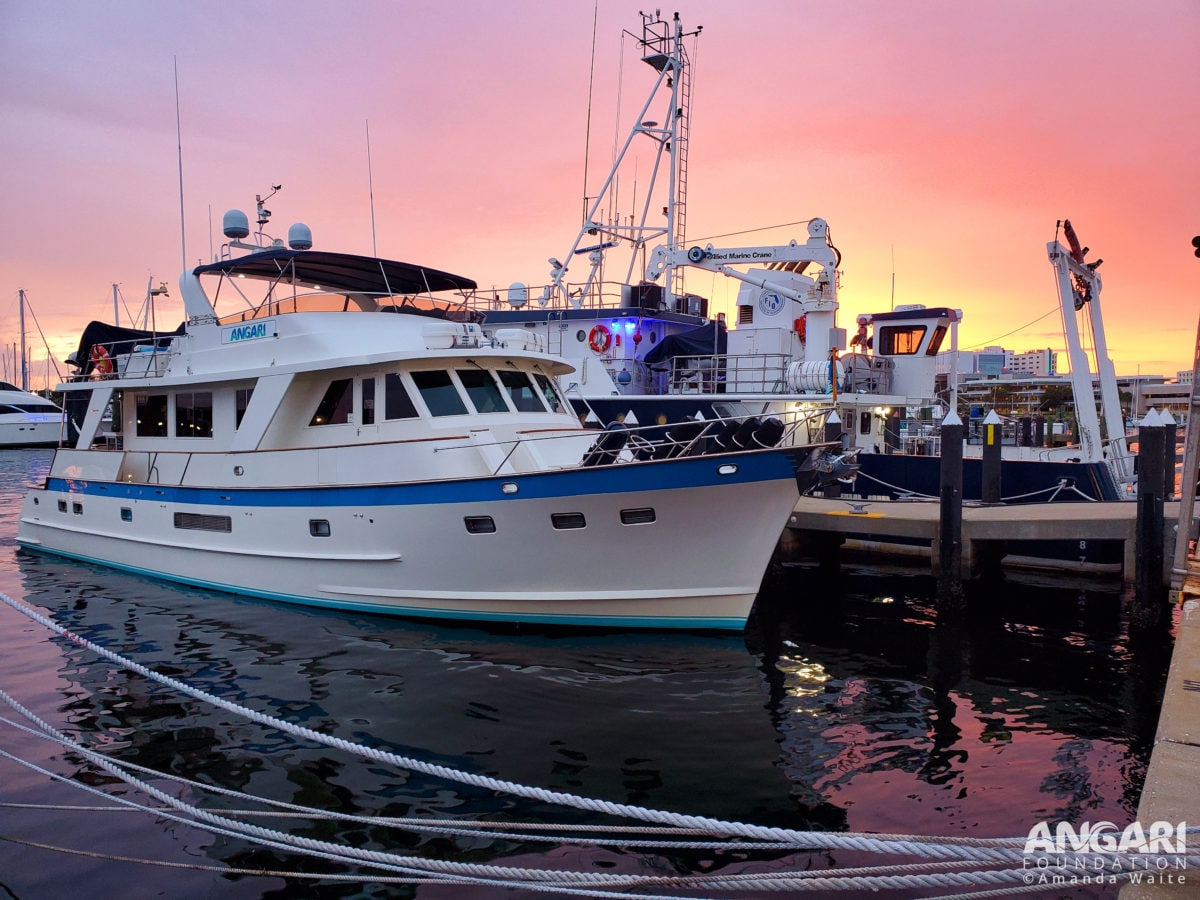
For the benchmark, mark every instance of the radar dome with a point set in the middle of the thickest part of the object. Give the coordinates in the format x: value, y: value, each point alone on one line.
x: 300, y: 237
x: 235, y: 225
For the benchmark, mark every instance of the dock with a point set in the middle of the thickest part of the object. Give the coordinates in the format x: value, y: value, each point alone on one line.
x: 875, y: 524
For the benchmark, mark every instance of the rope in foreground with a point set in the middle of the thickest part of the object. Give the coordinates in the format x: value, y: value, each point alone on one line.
x: 950, y: 855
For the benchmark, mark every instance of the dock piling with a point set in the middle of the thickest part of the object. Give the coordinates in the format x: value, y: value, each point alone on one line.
x: 991, y: 458
x: 1148, y: 573
x: 950, y: 547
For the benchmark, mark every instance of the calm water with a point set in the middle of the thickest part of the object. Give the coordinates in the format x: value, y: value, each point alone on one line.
x: 843, y: 707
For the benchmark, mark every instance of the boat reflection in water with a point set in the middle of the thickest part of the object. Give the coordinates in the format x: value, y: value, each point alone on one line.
x: 848, y: 709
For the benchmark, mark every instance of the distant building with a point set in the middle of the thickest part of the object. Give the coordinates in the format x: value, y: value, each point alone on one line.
x: 1034, y: 362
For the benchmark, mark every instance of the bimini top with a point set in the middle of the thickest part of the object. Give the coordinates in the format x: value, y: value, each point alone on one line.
x: 339, y: 272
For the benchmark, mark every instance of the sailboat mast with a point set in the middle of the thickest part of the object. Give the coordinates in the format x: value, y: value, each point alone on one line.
x: 24, y: 363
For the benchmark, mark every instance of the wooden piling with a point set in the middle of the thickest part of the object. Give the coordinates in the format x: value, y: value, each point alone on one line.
x: 950, y: 547
x: 991, y: 458
x: 1148, y: 573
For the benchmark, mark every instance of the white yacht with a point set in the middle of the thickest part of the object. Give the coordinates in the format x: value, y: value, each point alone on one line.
x: 352, y: 439
x: 29, y: 420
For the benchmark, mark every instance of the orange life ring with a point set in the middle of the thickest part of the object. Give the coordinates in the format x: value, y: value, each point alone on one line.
x: 101, y: 361
x: 600, y: 338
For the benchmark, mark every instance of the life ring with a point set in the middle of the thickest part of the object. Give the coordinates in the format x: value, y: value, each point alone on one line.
x: 600, y: 338
x: 101, y: 361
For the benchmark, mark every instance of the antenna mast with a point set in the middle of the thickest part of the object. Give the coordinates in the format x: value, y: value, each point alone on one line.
x: 371, y: 190
x: 179, y: 143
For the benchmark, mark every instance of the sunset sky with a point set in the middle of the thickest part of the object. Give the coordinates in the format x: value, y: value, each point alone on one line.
x: 941, y: 140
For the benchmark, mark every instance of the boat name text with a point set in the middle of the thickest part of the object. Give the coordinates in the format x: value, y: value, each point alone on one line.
x: 251, y: 331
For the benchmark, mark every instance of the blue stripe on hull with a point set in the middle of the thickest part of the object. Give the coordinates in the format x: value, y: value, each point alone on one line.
x: 618, y: 478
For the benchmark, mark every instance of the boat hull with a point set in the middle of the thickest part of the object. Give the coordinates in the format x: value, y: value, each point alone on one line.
x: 31, y: 431
x: 596, y: 547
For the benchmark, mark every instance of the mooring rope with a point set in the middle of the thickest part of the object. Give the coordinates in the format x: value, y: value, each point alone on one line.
x: 950, y: 853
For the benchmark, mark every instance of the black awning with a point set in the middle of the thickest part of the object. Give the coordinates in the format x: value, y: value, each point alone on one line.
x: 707, y: 340
x: 339, y: 272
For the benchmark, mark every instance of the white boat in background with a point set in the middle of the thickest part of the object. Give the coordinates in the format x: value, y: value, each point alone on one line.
x: 352, y: 439
x: 29, y: 420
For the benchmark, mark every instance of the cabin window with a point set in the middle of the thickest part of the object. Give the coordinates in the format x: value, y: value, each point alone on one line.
x: 568, y: 520
x: 935, y: 343
x: 152, y: 415
x: 480, y: 524
x: 396, y: 402
x: 335, y: 407
x: 194, y: 415
x: 242, y: 402
x: 894, y: 340
x: 550, y: 392
x: 482, y: 389
x: 368, y: 401
x: 319, y: 528
x: 521, y: 391
x: 439, y: 393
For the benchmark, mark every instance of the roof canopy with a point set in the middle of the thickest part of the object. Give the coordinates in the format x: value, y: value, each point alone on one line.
x: 339, y: 272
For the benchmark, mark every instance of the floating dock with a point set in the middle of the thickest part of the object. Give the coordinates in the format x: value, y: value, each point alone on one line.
x: 882, y: 525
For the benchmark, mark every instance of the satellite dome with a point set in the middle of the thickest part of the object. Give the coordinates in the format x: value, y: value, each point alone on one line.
x: 235, y: 225
x: 300, y: 237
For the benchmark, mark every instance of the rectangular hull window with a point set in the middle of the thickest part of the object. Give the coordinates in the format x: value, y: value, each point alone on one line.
x: 568, y: 520
x: 203, y: 522
x: 641, y: 516
x: 319, y: 527
x: 479, y: 524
